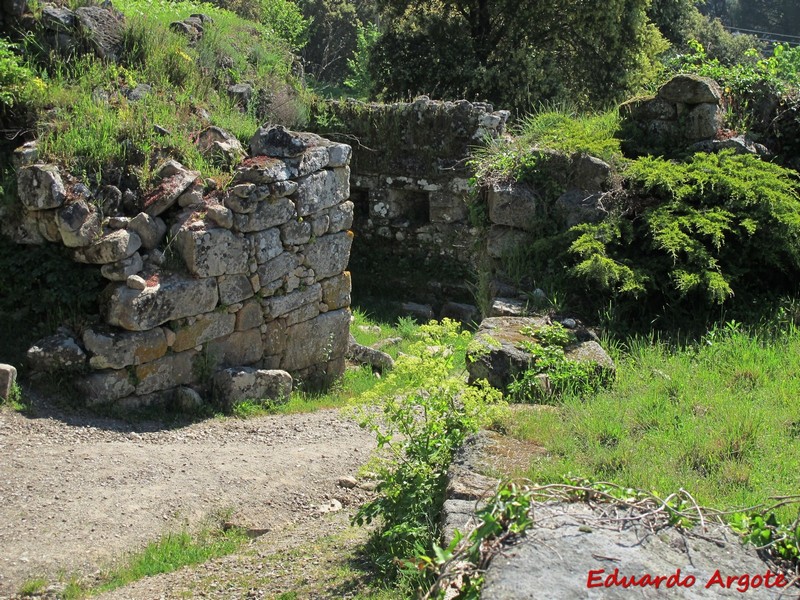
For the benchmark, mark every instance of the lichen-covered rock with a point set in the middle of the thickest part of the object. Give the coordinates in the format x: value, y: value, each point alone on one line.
x: 106, y: 387
x: 151, y: 230
x: 110, y: 248
x: 261, y: 170
x: 322, y: 190
x: 278, y: 268
x: 237, y: 348
x: 234, y: 289
x: 514, y: 205
x: 328, y: 255
x: 326, y: 340
x: 278, y: 142
x: 234, y: 386
x: 188, y: 400
x: 175, y: 179
x: 340, y: 217
x: 121, y: 270
x: 39, y: 187
x: 702, y: 122
x: 336, y: 291
x: 8, y: 377
x: 203, y: 328
x: 212, y: 252
x: 220, y: 147
x: 295, y: 233
x: 25, y: 155
x: 165, y: 373
x: 117, y: 350
x: 691, y: 89
x: 268, y: 213
x: 250, y: 316
x: 172, y: 297
x: 266, y: 244
x: 103, y: 29
x: 58, y: 352
x: 78, y: 224
x: 278, y: 306
x: 364, y: 355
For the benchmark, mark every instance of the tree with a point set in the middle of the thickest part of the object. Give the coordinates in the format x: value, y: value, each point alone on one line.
x: 513, y: 52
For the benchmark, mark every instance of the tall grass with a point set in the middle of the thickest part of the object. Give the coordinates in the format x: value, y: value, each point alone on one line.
x: 719, y: 418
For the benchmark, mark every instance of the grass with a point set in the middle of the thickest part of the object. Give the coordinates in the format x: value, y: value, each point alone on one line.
x: 33, y: 587
x: 718, y: 418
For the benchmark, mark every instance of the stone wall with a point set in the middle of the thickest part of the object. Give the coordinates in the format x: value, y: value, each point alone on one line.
x: 410, y: 185
x: 203, y: 281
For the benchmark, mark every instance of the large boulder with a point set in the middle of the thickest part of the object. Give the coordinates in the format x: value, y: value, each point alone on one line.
x: 103, y: 29
x: 234, y: 386
x: 39, y: 187
x: 58, y: 352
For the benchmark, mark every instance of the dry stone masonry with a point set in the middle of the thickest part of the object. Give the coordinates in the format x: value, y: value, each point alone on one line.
x: 234, y: 291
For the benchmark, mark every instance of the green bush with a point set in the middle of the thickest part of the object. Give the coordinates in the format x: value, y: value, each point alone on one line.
x: 15, y: 77
x: 702, y: 229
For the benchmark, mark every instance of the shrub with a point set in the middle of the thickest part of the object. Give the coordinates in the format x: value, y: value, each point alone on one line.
x: 15, y: 77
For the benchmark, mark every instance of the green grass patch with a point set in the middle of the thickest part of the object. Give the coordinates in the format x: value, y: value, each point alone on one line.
x: 33, y: 587
x: 718, y: 418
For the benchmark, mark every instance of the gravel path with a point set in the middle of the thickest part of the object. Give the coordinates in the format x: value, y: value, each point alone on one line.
x: 77, y: 492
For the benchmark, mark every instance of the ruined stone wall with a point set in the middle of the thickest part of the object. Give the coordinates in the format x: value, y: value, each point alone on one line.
x: 204, y: 281
x: 410, y: 181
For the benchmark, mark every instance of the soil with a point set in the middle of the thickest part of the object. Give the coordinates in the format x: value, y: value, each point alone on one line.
x: 79, y: 491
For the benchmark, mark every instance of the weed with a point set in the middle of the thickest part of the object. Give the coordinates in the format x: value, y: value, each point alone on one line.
x: 33, y: 587
x: 15, y: 400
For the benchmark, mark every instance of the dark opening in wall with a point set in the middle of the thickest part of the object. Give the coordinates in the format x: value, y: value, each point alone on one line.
x: 412, y: 205
x: 360, y: 199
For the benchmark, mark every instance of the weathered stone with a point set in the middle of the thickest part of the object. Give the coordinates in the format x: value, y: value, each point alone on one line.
x: 535, y: 567
x: 110, y: 248
x: 120, y: 270
x: 151, y: 230
x: 167, y: 372
x: 220, y: 147
x: 312, y: 160
x: 464, y: 313
x: 329, y: 255
x: 365, y: 355
x: 340, y: 217
x: 326, y: 340
x: 220, y: 215
x: 498, y: 355
x: 233, y: 386
x: 702, y: 122
x: 336, y: 291
x: 212, y: 252
x: 590, y: 173
x: 240, y: 203
x: 193, y: 195
x: 691, y: 89
x: 188, y: 400
x: 57, y: 18
x: 577, y: 206
x: 280, y: 305
x: 135, y: 282
x: 261, y: 170
x: 138, y: 92
x: 505, y: 241
x: 8, y: 378
x: 275, y: 338
x: 57, y: 352
x: 508, y: 307
x: 78, y: 224
x: 514, y: 205
x: 277, y: 268
x: 175, y: 179
x: 205, y: 327
x: 234, y: 289
x: 103, y: 29
x: 280, y: 189
x: 105, y: 387
x: 279, y: 142
x: 25, y: 155
x: 322, y: 190
x: 266, y: 244
x: 47, y: 224
x: 24, y: 228
x: 319, y: 224
x: 238, y: 348
x: 339, y: 154
x: 116, y: 350
x: 39, y: 187
x: 267, y: 214
x: 173, y: 297
x: 421, y: 312
x: 295, y: 233
x: 250, y: 316
x: 304, y: 313
x: 448, y: 208
x: 241, y: 92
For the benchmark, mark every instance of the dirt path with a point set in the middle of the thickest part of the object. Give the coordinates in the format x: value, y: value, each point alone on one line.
x: 77, y: 492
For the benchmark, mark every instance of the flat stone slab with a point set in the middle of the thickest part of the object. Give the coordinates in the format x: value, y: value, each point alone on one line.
x: 571, y: 551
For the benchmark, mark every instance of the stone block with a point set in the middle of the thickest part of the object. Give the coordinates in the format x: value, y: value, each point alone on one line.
x: 170, y: 371
x: 329, y: 255
x: 117, y: 350
x: 233, y: 386
x: 122, y: 269
x: 326, y: 339
x: 8, y: 377
x: 262, y: 170
x: 106, y: 387
x: 40, y: 187
x: 703, y: 122
x: 57, y: 352
x: 175, y: 180
x: 174, y: 297
x: 339, y: 154
x: 212, y: 252
x: 340, y: 217
x: 234, y: 288
x: 464, y: 313
x: 250, y: 316
x: 691, y: 89
x: 78, y: 224
x: 112, y: 247
x: 304, y: 313
x: 278, y: 268
x: 277, y: 141
x: 336, y: 291
x: 47, y: 224
x: 322, y: 190
x: 238, y: 348
x: 266, y: 244
x: 296, y: 233
x: 274, y: 337
x: 280, y: 305
x: 205, y: 327
x: 268, y: 213
x: 514, y: 205
x: 151, y: 230
x: 505, y: 241
x: 448, y: 208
